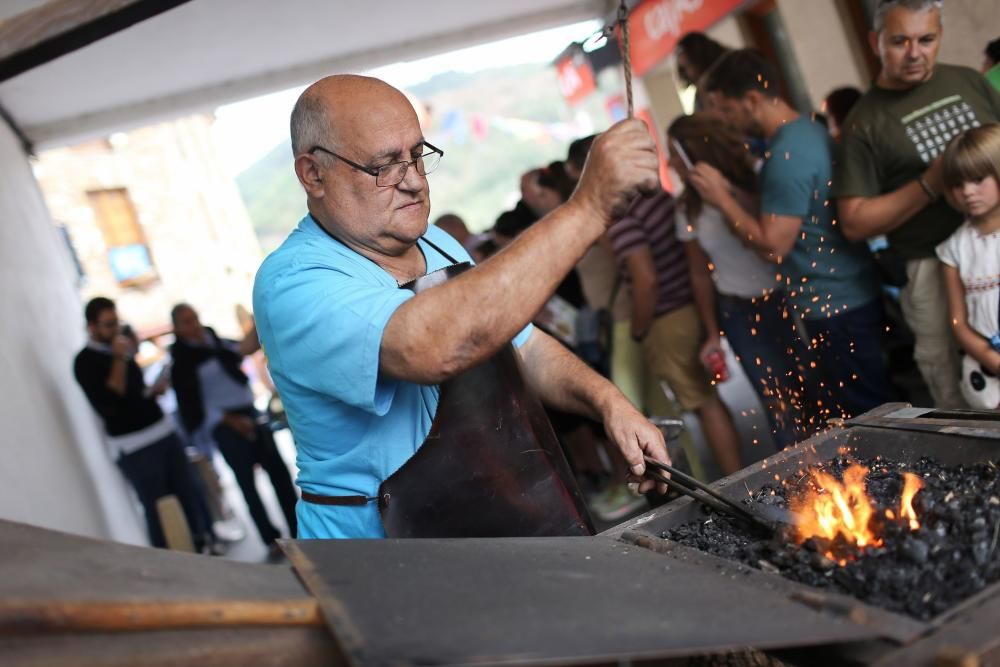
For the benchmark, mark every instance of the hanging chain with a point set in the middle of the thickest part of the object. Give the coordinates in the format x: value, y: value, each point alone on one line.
x: 608, y: 32
x: 626, y: 53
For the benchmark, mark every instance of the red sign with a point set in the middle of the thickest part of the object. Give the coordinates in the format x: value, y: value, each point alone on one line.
x: 576, y: 77
x: 655, y: 26
x: 645, y: 116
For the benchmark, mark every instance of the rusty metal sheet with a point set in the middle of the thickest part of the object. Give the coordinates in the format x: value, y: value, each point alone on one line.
x: 981, y: 424
x: 543, y: 600
x: 893, y: 430
x: 216, y: 647
x: 888, y: 625
x: 40, y: 565
x: 968, y: 638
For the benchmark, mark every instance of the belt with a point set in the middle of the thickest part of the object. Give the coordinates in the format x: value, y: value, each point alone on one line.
x: 349, y: 501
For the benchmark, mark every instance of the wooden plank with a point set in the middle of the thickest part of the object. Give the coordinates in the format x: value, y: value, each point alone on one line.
x: 70, y: 600
x: 259, y: 647
x: 175, y: 526
x: 18, y: 617
x: 56, y: 28
x: 39, y: 565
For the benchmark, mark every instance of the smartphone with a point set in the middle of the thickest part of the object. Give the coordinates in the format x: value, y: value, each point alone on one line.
x: 164, y: 374
x: 676, y: 147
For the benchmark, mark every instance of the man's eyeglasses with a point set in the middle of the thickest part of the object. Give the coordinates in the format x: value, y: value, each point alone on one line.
x: 392, y: 174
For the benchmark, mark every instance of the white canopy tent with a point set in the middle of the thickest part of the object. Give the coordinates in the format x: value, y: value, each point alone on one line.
x: 204, y: 53
x: 69, y: 73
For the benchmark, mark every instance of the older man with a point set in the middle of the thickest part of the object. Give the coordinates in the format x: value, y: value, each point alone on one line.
x: 358, y: 360
x: 888, y: 177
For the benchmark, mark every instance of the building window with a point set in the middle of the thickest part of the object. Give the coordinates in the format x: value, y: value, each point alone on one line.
x: 128, y: 253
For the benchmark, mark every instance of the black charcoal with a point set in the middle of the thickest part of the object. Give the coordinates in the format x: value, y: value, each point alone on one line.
x: 923, y: 573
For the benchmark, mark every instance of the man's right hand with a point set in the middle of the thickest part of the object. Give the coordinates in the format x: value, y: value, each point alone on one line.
x: 621, y: 165
x: 121, y: 347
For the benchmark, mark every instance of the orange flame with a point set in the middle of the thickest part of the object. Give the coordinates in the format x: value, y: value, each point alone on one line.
x: 911, y: 484
x: 832, y: 509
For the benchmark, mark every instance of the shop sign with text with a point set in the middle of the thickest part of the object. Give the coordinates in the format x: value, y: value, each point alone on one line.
x: 576, y: 77
x: 655, y: 26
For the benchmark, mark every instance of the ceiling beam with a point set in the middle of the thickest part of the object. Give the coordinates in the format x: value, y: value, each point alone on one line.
x: 56, y: 28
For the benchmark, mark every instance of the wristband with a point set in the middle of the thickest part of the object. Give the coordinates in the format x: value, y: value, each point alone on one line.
x: 927, y: 188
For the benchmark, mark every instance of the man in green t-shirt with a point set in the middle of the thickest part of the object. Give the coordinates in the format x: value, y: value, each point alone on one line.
x: 991, y: 63
x: 888, y: 175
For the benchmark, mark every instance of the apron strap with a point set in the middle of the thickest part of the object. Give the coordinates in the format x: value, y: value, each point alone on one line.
x: 349, y: 501
x: 440, y: 251
x: 422, y: 238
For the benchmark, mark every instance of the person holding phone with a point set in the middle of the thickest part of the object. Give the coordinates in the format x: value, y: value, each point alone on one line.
x: 140, y: 438
x: 831, y: 282
x: 734, y: 288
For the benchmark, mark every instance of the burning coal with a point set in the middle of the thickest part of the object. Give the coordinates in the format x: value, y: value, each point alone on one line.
x: 915, y: 537
x: 839, y: 513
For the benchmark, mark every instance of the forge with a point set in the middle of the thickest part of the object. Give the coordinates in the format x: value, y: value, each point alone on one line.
x: 914, y: 537
x: 663, y: 586
x: 677, y: 585
x: 929, y: 512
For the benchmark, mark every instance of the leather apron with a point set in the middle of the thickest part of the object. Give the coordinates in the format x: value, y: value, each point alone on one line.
x: 490, y: 466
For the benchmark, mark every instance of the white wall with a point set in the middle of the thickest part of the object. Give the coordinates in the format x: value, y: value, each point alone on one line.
x: 728, y: 33
x: 200, y: 237
x: 821, y: 39
x: 53, y: 469
x: 968, y: 26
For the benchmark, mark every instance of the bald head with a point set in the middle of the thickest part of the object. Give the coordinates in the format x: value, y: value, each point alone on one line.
x: 365, y: 128
x: 341, y: 104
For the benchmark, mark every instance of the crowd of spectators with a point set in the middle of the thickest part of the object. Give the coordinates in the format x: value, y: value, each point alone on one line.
x: 198, y: 402
x: 798, y: 238
x: 801, y: 242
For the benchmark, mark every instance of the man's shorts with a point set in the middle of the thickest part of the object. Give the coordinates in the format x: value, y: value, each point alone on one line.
x: 671, y: 348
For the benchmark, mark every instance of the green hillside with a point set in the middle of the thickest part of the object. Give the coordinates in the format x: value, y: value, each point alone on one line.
x: 479, y: 175
x: 273, y: 196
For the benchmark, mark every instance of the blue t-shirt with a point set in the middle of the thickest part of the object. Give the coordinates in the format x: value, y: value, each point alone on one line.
x: 321, y: 309
x: 824, y: 274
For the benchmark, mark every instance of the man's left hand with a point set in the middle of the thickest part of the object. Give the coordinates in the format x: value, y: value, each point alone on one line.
x: 635, y: 436
x: 710, y: 183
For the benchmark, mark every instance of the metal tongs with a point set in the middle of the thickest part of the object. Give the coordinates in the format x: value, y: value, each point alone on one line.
x: 689, y: 486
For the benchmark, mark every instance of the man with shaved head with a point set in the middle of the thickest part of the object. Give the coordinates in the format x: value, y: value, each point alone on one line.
x: 359, y: 361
